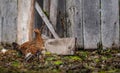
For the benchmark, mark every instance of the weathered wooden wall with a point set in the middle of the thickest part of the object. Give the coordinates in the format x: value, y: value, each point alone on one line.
x: 38, y: 20
x: 25, y: 20
x: 8, y: 20
x: 110, y: 23
x: 74, y: 20
x: 91, y: 21
x: 61, y: 21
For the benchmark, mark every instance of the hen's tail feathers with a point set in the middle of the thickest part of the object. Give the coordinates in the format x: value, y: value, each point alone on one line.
x: 16, y: 47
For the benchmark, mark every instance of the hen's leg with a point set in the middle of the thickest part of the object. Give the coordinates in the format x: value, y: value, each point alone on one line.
x: 38, y: 53
x: 28, y: 56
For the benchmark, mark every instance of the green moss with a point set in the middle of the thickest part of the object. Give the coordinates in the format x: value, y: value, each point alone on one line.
x: 110, y: 71
x: 56, y: 71
x: 50, y: 58
x: 97, y: 60
x: 104, y: 58
x: 46, y: 13
x: 47, y: 53
x: 75, y: 58
x: 16, y: 63
x: 59, y: 62
x: 1, y: 47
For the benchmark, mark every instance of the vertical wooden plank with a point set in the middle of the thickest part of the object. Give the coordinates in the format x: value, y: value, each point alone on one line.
x: 38, y: 20
x: 61, y: 19
x: 25, y: 20
x: 110, y: 23
x: 0, y: 22
x: 0, y: 27
x: 53, y: 12
x: 91, y: 23
x: 74, y: 20
x: 46, y: 8
x: 8, y: 23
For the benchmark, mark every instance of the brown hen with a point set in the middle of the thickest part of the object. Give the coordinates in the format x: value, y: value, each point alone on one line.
x: 30, y: 48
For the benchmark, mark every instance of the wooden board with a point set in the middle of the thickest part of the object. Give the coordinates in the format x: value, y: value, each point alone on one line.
x: 61, y: 19
x: 0, y: 28
x: 8, y: 17
x: 62, y: 46
x: 53, y: 12
x: 25, y: 20
x: 74, y: 21
x: 0, y: 21
x: 91, y: 23
x: 38, y: 21
x: 46, y: 8
x: 110, y: 22
x: 45, y: 19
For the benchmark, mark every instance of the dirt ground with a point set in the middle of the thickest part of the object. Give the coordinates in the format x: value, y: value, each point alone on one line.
x: 97, y: 61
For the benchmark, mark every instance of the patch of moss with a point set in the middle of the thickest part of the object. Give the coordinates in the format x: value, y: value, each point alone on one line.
x: 47, y: 53
x: 59, y: 62
x: 16, y: 63
x: 50, y: 58
x: 75, y: 58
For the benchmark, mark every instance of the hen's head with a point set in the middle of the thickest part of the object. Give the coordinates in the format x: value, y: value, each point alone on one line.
x: 37, y: 31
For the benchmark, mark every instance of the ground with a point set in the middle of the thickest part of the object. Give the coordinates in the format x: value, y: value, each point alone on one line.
x: 84, y: 61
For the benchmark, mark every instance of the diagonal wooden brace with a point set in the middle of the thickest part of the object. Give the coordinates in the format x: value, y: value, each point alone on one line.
x: 45, y: 19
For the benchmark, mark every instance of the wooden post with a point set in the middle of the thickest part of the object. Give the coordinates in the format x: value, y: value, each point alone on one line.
x: 61, y: 19
x: 0, y: 22
x: 53, y: 12
x: 0, y: 28
x: 8, y: 23
x: 25, y: 20
x: 91, y: 23
x: 46, y: 8
x: 74, y: 21
x: 110, y: 23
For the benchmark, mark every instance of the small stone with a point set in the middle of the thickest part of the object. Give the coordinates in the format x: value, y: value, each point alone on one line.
x: 4, y: 50
x: 118, y: 54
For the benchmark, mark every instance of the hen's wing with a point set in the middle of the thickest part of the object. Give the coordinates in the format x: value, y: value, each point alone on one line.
x: 25, y: 46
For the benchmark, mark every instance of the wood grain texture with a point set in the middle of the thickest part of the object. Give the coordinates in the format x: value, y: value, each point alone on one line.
x: 110, y: 23
x: 91, y: 23
x: 46, y: 8
x: 25, y: 20
x: 38, y: 21
x: 8, y: 16
x: 45, y: 19
x: 61, y: 19
x: 74, y: 20
x: 62, y: 46
x: 53, y: 12
x: 0, y: 21
x: 0, y: 28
